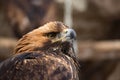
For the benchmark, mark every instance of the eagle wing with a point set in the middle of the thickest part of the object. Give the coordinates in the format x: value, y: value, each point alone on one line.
x: 38, y: 66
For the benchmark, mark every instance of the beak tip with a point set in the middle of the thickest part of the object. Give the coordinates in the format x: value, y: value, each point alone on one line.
x: 71, y: 33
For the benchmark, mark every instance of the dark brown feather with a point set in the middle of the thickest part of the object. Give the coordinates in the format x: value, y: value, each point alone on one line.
x: 38, y: 66
x: 37, y: 57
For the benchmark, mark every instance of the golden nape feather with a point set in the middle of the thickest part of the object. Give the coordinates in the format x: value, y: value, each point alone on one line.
x: 45, y: 53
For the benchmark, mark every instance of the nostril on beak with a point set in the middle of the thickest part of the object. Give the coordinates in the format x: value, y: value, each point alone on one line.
x: 71, y: 33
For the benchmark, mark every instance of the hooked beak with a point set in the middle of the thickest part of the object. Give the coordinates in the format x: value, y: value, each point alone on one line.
x: 66, y: 35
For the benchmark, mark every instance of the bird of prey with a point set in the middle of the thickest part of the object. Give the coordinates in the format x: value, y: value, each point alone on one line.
x: 46, y: 53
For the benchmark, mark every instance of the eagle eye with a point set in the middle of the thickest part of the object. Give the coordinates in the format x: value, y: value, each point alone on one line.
x: 51, y: 34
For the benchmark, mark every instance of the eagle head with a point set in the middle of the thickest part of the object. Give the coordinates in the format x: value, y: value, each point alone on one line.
x: 52, y: 37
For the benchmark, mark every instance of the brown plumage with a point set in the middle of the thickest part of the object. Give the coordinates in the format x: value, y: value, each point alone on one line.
x: 45, y: 53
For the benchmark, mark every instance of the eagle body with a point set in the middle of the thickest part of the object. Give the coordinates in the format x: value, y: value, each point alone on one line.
x: 39, y: 66
x: 45, y: 53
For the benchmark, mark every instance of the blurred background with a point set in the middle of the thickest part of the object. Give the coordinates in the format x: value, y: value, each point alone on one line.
x: 97, y: 23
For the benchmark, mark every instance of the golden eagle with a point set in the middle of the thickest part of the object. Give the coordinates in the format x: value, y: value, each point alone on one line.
x: 46, y: 53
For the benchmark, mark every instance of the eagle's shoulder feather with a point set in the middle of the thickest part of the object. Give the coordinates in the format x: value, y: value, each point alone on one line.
x: 38, y: 66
